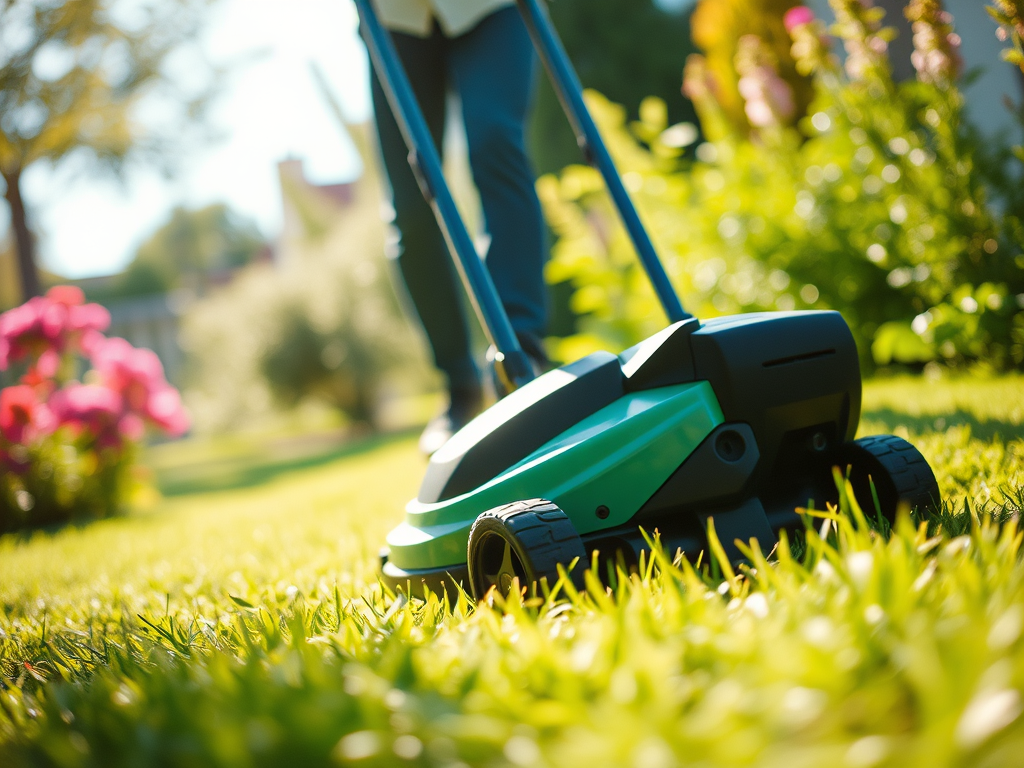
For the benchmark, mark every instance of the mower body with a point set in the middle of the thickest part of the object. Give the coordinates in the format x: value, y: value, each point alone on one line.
x: 738, y: 419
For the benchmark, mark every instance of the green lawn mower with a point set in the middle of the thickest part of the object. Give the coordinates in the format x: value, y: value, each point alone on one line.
x: 735, y: 419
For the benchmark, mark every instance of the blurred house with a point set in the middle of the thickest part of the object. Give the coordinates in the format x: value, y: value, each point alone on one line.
x: 309, y: 210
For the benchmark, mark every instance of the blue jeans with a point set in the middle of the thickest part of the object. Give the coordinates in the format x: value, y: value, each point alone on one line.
x: 492, y: 68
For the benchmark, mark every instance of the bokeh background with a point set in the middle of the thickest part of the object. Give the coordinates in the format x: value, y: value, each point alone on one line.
x: 238, y: 228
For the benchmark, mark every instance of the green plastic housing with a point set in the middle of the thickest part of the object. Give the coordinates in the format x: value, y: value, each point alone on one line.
x: 614, y: 460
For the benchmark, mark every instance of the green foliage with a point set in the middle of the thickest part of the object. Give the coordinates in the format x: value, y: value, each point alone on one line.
x: 67, y: 478
x: 193, y: 245
x: 246, y: 628
x: 344, y: 365
x: 1010, y: 16
x: 601, y: 37
x: 878, y: 204
x: 190, y: 251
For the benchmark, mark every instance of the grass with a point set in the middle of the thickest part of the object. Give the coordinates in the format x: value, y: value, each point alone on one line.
x: 244, y: 627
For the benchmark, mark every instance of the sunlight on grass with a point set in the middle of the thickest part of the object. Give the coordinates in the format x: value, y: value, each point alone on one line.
x: 244, y: 627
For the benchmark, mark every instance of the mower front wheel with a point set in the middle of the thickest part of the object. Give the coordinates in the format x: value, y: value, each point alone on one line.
x: 525, y: 540
x: 901, y: 476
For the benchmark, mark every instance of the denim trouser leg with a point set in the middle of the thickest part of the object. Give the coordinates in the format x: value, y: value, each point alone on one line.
x: 492, y: 66
x: 426, y: 267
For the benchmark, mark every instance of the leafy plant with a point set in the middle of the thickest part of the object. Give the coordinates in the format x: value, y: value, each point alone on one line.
x: 876, y: 204
x: 720, y: 26
x: 67, y: 447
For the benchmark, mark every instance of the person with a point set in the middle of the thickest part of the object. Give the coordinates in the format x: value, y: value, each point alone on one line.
x: 482, y: 50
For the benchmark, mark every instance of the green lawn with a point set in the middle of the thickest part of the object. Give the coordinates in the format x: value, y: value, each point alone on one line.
x: 238, y: 623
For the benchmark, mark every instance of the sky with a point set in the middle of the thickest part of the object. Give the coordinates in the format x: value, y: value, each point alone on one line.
x: 272, y: 109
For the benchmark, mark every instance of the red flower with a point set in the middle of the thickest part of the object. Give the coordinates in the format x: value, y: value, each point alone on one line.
x: 22, y: 417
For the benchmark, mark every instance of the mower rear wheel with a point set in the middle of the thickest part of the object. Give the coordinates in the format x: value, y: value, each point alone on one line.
x: 901, y: 475
x: 525, y: 540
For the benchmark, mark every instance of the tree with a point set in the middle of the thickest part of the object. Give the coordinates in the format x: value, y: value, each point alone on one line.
x: 73, y: 76
x: 192, y: 246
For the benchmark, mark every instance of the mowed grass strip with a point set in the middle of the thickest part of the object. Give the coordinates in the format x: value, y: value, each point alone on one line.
x: 245, y: 628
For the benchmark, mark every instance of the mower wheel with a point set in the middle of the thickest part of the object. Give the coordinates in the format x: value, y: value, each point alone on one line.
x: 901, y: 475
x: 525, y: 540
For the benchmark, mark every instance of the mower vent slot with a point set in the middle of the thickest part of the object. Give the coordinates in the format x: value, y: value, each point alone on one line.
x: 799, y: 358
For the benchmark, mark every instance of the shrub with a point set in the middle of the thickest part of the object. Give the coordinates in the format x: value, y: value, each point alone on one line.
x: 322, y: 325
x: 67, y: 445
x: 881, y: 203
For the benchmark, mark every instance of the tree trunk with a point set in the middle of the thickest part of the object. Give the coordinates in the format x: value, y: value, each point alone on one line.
x: 24, y: 243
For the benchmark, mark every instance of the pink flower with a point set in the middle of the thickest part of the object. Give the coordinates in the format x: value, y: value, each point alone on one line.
x: 138, y: 376
x: 132, y: 372
x: 797, y: 17
x: 30, y: 328
x: 85, y: 402
x: 50, y: 325
x: 88, y: 317
x: 768, y: 99
x: 166, y: 411
x: 68, y: 295
x: 131, y: 427
x: 92, y: 407
x: 22, y: 417
x: 936, y: 55
x: 48, y: 364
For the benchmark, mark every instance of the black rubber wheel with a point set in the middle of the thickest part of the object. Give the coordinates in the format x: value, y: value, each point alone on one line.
x: 900, y: 473
x: 525, y: 539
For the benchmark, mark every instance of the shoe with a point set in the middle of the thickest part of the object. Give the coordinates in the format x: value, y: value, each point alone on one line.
x: 464, y: 405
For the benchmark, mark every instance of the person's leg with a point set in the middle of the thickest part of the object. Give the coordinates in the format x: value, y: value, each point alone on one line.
x: 423, y: 258
x: 494, y: 67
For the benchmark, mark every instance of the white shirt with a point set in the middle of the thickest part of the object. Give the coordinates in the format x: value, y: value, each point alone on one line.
x: 416, y: 17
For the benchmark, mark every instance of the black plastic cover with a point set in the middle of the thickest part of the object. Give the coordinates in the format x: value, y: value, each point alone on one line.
x: 793, y: 377
x: 516, y: 426
x: 662, y: 360
x: 782, y: 371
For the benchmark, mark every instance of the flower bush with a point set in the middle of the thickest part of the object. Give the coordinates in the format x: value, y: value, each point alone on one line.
x: 67, y: 445
x: 880, y: 201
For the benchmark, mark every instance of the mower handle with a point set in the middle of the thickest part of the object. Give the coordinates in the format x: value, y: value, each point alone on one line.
x: 513, y: 364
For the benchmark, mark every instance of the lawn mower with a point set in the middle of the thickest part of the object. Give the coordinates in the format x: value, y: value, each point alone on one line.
x: 737, y: 420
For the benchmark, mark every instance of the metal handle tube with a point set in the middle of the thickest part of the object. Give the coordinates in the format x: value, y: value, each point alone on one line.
x: 570, y: 93
x: 426, y: 164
